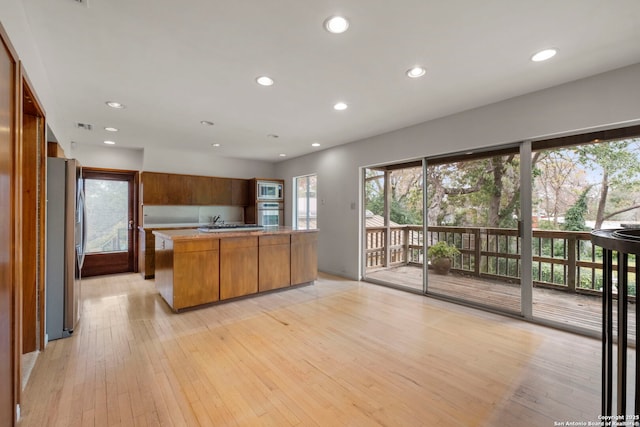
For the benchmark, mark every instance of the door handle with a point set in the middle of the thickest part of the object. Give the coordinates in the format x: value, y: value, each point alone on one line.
x: 131, y: 224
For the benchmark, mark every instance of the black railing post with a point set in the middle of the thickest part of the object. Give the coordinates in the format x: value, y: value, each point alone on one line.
x: 623, y: 301
x: 623, y: 242
x: 607, y: 333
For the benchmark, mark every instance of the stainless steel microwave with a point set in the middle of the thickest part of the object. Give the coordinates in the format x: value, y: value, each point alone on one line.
x: 269, y: 190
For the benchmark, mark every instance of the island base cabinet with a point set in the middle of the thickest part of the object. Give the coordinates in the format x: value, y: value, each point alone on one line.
x: 274, y: 262
x: 238, y: 266
x: 194, y: 269
x: 187, y: 273
x: 304, y: 258
x: 164, y: 270
x: 146, y: 254
x: 197, y: 276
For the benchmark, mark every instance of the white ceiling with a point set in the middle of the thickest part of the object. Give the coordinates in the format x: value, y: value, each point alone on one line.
x: 175, y: 63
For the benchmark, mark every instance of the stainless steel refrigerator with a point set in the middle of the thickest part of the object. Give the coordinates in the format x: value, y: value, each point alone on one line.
x: 66, y: 228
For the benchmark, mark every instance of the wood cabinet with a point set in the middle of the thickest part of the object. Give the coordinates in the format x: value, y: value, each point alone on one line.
x: 199, y: 190
x: 166, y: 189
x: 304, y: 257
x: 194, y: 268
x: 219, y: 191
x: 238, y: 266
x: 188, y: 272
x: 154, y: 188
x: 240, y: 192
x: 146, y: 253
x: 175, y: 189
x: 251, y: 209
x: 55, y: 150
x: 274, y: 262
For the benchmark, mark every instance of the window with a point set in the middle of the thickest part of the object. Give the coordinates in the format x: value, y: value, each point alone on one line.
x: 305, y: 202
x: 107, y: 215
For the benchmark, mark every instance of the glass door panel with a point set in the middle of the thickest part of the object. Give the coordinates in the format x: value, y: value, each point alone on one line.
x: 473, y: 208
x: 394, y: 225
x: 110, y: 222
x: 577, y: 189
x: 107, y: 215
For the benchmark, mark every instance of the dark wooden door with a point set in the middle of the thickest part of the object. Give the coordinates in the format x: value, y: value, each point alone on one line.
x: 111, y: 237
x: 7, y: 330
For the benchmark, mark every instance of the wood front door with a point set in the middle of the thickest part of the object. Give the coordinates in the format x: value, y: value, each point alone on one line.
x: 7, y: 218
x: 111, y: 200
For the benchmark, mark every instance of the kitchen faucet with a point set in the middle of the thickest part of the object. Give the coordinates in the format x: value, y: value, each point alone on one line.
x: 214, y: 219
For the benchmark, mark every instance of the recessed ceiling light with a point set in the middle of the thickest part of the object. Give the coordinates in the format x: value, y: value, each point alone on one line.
x: 283, y: 155
x: 336, y: 24
x: 340, y: 106
x: 543, y: 55
x: 206, y: 123
x: 114, y: 104
x: 110, y: 142
x: 416, y: 72
x: 215, y: 144
x: 109, y: 129
x: 264, y: 81
x: 315, y: 144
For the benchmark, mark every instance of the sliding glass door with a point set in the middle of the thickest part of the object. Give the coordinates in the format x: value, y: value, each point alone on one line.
x: 578, y: 188
x: 473, y: 211
x: 513, y: 225
x: 393, y: 225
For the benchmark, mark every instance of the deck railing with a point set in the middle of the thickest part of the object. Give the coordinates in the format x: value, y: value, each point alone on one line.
x: 565, y: 260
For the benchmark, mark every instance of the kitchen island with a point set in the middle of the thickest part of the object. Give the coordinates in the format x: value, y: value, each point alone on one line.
x: 147, y: 246
x: 194, y: 268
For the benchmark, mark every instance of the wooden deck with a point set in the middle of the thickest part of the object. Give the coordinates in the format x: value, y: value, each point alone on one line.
x: 562, y: 308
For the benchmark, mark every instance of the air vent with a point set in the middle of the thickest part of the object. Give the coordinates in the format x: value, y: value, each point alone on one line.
x: 84, y: 126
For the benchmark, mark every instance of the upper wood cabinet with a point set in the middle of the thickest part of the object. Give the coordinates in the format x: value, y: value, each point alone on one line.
x: 219, y: 191
x: 154, y: 188
x: 55, y: 150
x: 175, y: 189
x: 240, y: 192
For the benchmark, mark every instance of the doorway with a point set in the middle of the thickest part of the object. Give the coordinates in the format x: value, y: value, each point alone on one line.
x: 9, y: 335
x: 111, y: 203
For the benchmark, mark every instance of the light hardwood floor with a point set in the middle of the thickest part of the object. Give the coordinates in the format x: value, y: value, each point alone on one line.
x: 338, y: 353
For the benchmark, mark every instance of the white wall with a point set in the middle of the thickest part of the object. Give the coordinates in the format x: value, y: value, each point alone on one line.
x: 107, y: 157
x: 170, y: 160
x: 204, y: 163
x: 15, y: 23
x: 608, y: 99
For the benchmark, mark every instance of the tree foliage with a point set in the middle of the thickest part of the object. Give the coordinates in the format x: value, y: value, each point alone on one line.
x: 619, y: 165
x: 486, y: 191
x: 574, y: 220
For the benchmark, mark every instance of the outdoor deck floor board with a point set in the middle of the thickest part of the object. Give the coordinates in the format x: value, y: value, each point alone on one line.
x: 560, y: 307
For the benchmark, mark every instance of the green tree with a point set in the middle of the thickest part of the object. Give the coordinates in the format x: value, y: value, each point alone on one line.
x: 476, y: 192
x: 574, y: 219
x: 405, y: 191
x: 620, y: 167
